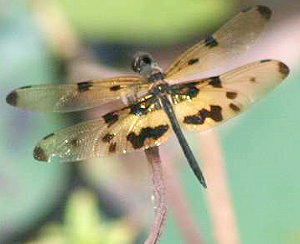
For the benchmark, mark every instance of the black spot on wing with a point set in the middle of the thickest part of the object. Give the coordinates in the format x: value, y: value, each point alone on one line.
x: 188, y: 89
x: 192, y: 91
x: 234, y: 107
x: 138, y: 141
x: 39, y: 154
x: 115, y: 88
x: 210, y: 41
x: 75, y: 142
x: 231, y: 95
x: 264, y: 11
x: 215, y: 82
x: 12, y: 98
x: 108, y: 137
x: 215, y: 113
x: 138, y: 109
x: 193, y: 61
x: 283, y: 69
x: 84, y: 86
x: 110, y: 118
x: 193, y: 119
x: 48, y: 136
x: 112, y: 147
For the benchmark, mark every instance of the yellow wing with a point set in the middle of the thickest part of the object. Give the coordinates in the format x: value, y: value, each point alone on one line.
x: 220, y: 98
x: 138, y: 126
x: 232, y: 39
x: 76, y: 96
x: 199, y: 105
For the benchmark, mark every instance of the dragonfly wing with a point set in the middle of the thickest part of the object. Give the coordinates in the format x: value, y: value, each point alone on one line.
x: 75, y: 96
x: 136, y: 127
x: 217, y: 99
x: 235, y: 37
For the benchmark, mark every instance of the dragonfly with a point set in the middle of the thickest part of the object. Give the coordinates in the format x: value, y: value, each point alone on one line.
x: 157, y: 104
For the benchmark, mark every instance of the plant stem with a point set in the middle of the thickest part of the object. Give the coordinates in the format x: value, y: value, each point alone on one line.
x: 159, y: 193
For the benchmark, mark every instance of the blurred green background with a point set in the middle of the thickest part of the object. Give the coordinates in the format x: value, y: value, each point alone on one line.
x: 104, y: 201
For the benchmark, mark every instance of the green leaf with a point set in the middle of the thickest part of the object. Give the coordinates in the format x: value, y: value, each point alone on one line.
x: 147, y: 21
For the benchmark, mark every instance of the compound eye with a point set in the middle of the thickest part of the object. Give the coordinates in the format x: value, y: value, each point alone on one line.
x: 141, y: 61
x: 147, y: 59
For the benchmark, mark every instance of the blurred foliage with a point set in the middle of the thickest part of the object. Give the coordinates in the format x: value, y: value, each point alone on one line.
x: 148, y: 21
x: 83, y: 224
x: 260, y: 150
x: 28, y: 190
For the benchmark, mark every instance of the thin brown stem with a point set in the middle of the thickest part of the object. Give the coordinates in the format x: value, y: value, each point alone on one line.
x: 159, y: 193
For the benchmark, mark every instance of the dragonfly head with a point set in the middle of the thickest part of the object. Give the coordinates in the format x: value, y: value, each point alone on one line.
x: 144, y: 64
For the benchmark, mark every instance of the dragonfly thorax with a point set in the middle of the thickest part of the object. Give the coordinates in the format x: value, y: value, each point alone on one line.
x: 161, y: 87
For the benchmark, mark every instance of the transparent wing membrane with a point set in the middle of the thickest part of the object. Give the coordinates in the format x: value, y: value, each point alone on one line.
x: 235, y: 37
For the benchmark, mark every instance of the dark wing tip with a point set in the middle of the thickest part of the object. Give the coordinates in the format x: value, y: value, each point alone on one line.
x: 264, y: 11
x: 39, y: 154
x: 283, y: 69
x: 12, y: 98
